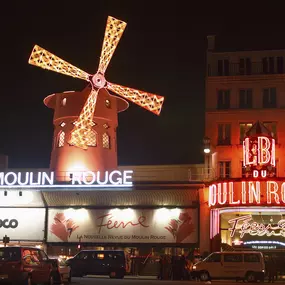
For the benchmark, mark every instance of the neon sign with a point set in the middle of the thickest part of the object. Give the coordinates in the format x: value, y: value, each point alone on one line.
x: 247, y: 192
x: 259, y: 156
x: 114, y: 178
x: 245, y: 225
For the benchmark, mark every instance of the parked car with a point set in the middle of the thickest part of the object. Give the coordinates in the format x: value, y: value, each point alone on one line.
x: 239, y: 265
x: 101, y: 262
x: 25, y: 265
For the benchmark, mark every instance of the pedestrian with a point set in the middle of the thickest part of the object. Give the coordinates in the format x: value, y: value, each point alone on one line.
x: 160, y: 268
x: 271, y: 267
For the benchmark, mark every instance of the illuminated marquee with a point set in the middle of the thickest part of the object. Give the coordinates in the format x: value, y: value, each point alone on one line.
x: 114, y: 178
x: 247, y: 192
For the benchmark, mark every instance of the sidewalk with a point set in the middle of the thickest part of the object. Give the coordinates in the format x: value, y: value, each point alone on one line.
x: 126, y: 277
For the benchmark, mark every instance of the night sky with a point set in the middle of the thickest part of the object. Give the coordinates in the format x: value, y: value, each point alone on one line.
x: 162, y: 51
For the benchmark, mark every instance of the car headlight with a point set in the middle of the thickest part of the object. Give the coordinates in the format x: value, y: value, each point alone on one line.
x: 194, y: 267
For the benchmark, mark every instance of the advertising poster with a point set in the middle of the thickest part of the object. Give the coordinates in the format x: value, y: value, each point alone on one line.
x: 123, y: 225
x: 22, y: 223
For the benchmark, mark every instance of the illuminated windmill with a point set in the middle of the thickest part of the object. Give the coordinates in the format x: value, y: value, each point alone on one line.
x: 78, y: 124
x: 80, y: 136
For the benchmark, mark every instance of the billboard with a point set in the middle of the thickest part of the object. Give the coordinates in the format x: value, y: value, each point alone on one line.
x: 22, y: 223
x: 123, y: 225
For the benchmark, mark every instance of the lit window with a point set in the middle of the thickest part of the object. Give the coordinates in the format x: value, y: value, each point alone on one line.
x: 61, y: 138
x: 62, y: 124
x: 92, y: 138
x: 224, y: 134
x: 225, y: 169
x: 106, y: 141
x: 108, y: 103
x: 243, y: 129
x: 63, y: 102
x: 106, y: 126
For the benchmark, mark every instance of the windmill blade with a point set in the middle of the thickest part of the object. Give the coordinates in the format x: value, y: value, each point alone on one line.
x: 81, y: 134
x: 149, y: 101
x: 113, y: 32
x: 46, y: 60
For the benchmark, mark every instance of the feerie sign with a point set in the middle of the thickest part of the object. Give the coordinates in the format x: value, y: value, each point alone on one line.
x: 123, y: 225
x: 247, y: 192
x: 114, y: 178
x: 245, y: 225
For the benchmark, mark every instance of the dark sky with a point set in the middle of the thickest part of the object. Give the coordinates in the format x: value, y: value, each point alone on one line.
x: 162, y: 51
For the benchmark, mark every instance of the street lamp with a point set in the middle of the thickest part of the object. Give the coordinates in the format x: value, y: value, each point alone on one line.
x: 206, y: 142
x: 207, y: 150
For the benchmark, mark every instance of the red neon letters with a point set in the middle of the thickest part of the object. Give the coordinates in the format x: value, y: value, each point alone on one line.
x: 247, y: 192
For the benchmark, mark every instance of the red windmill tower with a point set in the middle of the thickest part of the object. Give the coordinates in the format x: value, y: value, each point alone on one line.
x: 85, y: 122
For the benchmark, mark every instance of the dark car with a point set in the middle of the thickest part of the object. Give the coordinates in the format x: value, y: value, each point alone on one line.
x: 25, y: 265
x: 100, y: 262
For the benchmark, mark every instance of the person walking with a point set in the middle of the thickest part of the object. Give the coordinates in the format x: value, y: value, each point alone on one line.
x: 271, y: 267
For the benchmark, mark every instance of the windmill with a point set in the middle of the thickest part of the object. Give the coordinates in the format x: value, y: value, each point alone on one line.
x: 81, y: 133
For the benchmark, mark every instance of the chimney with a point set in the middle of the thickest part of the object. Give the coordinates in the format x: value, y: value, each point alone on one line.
x: 3, y: 162
x: 211, y: 42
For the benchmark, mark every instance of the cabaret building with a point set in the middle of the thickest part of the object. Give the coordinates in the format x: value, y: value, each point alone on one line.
x: 244, y: 196
x: 85, y: 200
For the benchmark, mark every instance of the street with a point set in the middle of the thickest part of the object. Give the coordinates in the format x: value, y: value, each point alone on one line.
x: 137, y: 281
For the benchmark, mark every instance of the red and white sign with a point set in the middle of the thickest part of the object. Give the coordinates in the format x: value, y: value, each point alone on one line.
x: 123, y: 225
x: 259, y: 156
x: 22, y: 223
x: 247, y: 193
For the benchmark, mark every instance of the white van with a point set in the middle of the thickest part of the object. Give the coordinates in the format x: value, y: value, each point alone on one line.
x: 238, y: 265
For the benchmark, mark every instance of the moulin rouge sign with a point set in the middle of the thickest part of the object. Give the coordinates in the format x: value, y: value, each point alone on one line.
x: 92, y: 179
x: 259, y: 162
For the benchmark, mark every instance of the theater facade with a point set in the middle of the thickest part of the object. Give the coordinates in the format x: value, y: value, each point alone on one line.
x: 145, y: 210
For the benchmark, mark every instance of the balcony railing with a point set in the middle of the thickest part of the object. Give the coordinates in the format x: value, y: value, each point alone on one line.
x: 201, y: 174
x: 235, y: 69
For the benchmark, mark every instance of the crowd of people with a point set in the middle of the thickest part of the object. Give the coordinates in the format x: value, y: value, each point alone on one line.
x: 175, y: 267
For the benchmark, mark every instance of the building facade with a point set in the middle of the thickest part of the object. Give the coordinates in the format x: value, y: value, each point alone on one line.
x: 154, y: 211
x: 244, y: 88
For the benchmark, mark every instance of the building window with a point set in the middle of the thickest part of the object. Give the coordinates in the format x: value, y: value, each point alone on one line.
x: 106, y: 140
x: 269, y: 98
x: 224, y: 134
x: 223, y: 101
x: 272, y: 127
x: 92, y: 138
x: 223, y: 67
x: 225, y: 169
x: 245, y: 98
x: 63, y: 102
x: 108, y: 103
x: 245, y: 66
x: 243, y: 128
x: 280, y: 65
x: 61, y: 137
x: 268, y: 65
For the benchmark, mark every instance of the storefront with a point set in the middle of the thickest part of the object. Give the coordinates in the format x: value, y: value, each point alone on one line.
x: 145, y: 220
x: 249, y: 213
